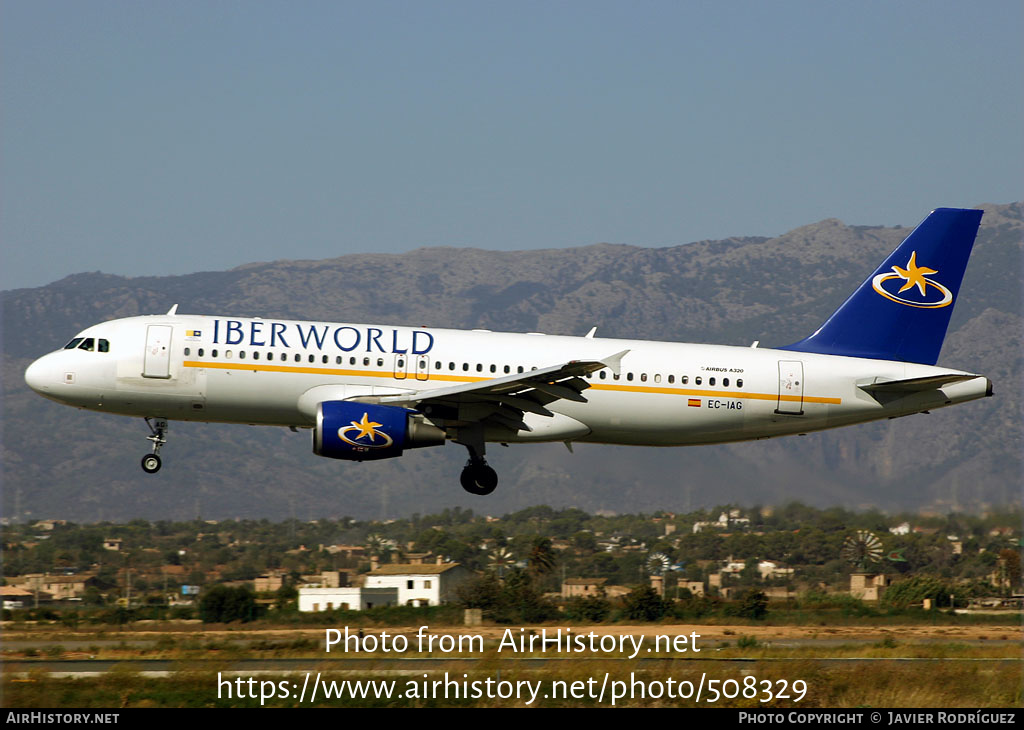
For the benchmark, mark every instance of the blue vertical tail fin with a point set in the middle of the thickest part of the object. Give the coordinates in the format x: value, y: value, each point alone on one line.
x: 901, y: 311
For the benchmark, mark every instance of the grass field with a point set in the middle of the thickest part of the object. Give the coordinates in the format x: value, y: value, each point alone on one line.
x: 944, y: 666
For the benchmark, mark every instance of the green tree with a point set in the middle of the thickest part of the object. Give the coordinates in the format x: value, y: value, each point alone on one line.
x: 526, y: 600
x: 483, y: 592
x: 914, y: 590
x: 644, y: 604
x: 753, y: 604
x: 541, y: 559
x: 1010, y: 562
x: 286, y: 597
x: 221, y: 604
x: 585, y: 541
x: 594, y: 609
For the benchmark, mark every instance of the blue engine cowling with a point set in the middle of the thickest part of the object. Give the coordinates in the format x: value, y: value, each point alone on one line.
x: 363, y: 431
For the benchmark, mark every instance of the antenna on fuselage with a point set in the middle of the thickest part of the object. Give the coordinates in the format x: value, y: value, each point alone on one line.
x: 172, y: 311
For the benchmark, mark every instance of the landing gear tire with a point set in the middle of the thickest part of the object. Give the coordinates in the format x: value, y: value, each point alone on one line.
x: 151, y: 463
x: 479, y: 479
x: 158, y: 435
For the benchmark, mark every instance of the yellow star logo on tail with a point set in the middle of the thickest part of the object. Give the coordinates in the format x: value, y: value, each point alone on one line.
x: 914, y: 275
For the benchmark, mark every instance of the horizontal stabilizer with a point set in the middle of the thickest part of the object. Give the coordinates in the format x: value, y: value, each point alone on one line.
x: 913, y: 385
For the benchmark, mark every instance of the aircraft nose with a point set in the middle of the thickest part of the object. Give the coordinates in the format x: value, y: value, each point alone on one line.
x: 39, y: 376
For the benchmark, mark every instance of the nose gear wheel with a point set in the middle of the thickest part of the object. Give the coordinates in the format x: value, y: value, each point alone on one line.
x: 151, y: 463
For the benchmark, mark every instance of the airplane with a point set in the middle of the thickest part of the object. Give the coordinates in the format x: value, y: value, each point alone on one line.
x: 369, y: 392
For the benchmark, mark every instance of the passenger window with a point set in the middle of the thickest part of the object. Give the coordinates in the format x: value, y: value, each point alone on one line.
x: 711, y: 381
x: 187, y: 351
x: 671, y: 378
x: 508, y: 369
x: 615, y: 376
x: 401, y: 363
x: 73, y: 344
x: 643, y: 377
x: 351, y: 361
x: 241, y: 354
x: 519, y: 369
x: 200, y: 352
x: 725, y: 382
x: 213, y: 353
x: 227, y: 354
x: 602, y: 375
x: 88, y: 344
x: 298, y: 357
x: 451, y: 366
x: 697, y: 380
x: 629, y: 376
x: 312, y: 359
x: 255, y: 354
x: 337, y: 360
x: 465, y: 366
x: 479, y: 368
x: 380, y: 362
x: 437, y: 365
x: 494, y: 368
x: 366, y: 362
x: 104, y: 346
x: 657, y: 378
x: 739, y: 383
x: 685, y: 379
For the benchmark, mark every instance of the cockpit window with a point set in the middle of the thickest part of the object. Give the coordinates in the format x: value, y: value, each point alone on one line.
x: 73, y: 344
x: 88, y: 344
x: 104, y: 346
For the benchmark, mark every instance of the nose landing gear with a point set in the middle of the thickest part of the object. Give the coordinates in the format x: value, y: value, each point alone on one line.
x: 151, y: 463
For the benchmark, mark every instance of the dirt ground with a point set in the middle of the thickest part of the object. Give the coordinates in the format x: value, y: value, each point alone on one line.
x: 1007, y: 632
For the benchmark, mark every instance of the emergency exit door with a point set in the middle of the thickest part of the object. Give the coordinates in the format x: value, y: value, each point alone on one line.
x: 791, y: 387
x: 157, y: 361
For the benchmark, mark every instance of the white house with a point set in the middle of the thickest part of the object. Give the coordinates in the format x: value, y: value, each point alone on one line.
x: 420, y: 585
x: 349, y: 599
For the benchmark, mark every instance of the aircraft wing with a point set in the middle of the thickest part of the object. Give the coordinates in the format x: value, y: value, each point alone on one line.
x: 503, y: 401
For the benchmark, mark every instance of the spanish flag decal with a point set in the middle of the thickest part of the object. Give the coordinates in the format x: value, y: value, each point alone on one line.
x: 693, y: 402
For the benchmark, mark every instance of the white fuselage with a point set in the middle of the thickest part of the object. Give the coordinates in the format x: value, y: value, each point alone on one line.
x: 275, y: 372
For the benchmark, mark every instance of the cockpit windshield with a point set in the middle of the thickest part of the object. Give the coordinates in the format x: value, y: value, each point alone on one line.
x: 89, y: 344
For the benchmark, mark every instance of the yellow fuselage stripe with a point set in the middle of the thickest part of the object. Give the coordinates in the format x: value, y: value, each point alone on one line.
x: 470, y: 379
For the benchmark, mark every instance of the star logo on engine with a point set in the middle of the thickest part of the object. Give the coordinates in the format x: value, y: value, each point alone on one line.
x: 367, y: 430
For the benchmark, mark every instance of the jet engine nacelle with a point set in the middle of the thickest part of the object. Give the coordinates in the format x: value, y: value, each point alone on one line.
x: 363, y: 431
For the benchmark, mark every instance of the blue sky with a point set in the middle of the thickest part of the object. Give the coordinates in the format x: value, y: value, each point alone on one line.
x: 169, y: 137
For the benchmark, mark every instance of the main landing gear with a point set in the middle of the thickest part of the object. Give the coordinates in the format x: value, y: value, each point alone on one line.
x: 158, y: 435
x: 477, y: 477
